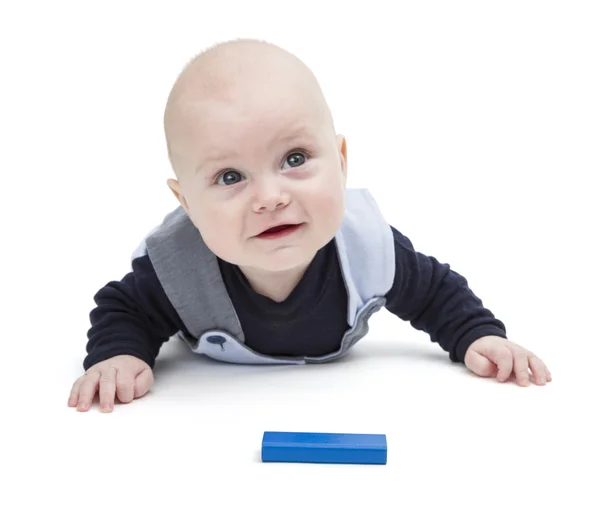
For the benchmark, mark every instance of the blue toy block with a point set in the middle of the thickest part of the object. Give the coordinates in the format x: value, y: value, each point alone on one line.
x: 324, y: 448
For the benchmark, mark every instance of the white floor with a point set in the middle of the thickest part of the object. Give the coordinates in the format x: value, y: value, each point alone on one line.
x: 454, y: 440
x: 481, y: 144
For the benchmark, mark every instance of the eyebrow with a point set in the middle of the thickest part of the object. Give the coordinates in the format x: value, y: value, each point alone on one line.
x: 296, y: 132
x: 217, y: 156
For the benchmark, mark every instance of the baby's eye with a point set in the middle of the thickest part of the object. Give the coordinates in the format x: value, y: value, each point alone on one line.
x: 229, y: 178
x: 295, y: 159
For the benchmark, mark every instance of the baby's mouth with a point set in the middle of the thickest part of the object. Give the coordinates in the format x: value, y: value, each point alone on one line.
x: 279, y: 231
x: 279, y: 228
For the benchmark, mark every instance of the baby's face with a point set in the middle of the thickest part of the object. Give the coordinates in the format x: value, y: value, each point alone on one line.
x: 249, y: 166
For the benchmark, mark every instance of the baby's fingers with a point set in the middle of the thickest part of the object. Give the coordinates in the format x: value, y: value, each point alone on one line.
x: 74, y: 395
x: 503, y: 359
x: 125, y: 383
x: 541, y: 374
x: 87, y: 391
x: 143, y: 382
x: 107, y: 389
x: 133, y: 386
x: 521, y: 367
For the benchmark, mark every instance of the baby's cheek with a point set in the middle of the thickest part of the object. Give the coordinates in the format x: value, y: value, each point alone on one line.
x: 219, y: 242
x: 329, y: 201
x: 220, y: 233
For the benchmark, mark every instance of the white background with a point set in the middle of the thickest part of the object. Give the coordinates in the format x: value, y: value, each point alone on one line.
x: 475, y: 125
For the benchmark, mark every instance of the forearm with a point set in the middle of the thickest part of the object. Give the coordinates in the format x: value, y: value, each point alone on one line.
x: 117, y: 328
x: 132, y: 316
x: 437, y: 300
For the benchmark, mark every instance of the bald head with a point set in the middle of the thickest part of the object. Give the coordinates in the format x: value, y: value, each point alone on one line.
x: 243, y: 73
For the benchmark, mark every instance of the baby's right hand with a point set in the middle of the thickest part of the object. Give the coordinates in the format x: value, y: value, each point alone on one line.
x: 124, y: 375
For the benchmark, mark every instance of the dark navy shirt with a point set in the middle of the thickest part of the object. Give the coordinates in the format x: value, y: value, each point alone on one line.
x: 134, y: 316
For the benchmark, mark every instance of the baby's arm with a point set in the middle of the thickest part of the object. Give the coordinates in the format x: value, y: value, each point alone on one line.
x: 438, y: 301
x: 132, y: 316
x: 132, y: 319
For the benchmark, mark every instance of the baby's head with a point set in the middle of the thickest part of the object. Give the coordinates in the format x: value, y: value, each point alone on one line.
x: 252, y: 144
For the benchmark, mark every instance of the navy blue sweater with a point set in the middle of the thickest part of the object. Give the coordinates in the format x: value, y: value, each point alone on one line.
x: 134, y: 316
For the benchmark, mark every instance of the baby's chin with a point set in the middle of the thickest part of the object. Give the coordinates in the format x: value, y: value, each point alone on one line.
x: 279, y: 260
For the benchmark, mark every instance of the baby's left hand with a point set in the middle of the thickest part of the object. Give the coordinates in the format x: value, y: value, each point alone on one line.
x: 493, y: 355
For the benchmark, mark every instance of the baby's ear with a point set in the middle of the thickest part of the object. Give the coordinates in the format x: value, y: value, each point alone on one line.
x: 176, y: 189
x: 342, y: 148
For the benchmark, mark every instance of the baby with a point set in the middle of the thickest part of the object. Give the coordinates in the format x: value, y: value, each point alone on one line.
x: 270, y: 259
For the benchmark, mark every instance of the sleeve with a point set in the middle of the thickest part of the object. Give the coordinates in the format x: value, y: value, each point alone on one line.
x: 437, y: 300
x: 132, y: 316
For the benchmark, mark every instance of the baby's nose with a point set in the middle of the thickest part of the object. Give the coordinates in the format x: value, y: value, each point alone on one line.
x: 270, y: 197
